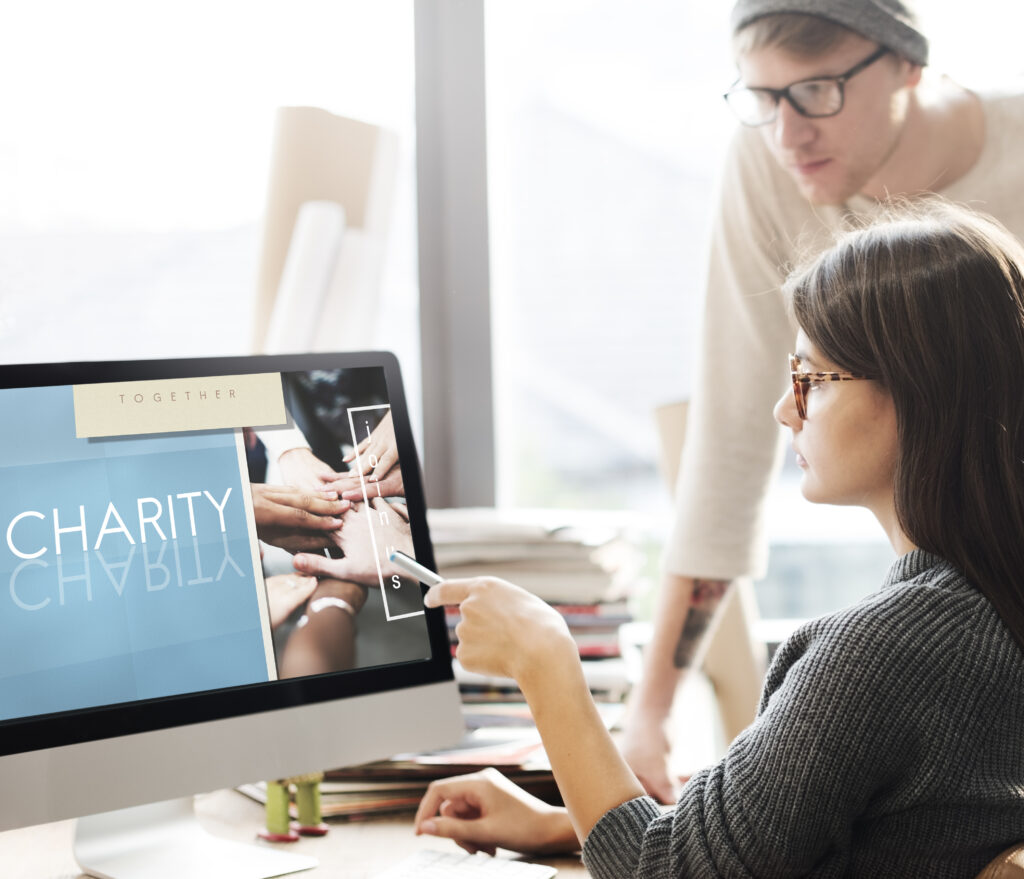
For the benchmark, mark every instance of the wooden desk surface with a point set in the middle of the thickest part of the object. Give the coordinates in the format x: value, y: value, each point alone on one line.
x: 352, y: 850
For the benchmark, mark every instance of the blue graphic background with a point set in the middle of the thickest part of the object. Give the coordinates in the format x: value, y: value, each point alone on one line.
x: 121, y: 622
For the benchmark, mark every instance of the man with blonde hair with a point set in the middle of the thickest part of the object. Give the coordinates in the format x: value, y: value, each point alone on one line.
x: 836, y: 118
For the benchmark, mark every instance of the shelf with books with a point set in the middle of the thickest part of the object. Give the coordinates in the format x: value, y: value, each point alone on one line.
x: 608, y: 680
x: 594, y: 628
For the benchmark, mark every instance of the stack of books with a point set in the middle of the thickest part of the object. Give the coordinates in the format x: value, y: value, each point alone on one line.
x: 502, y: 735
x: 389, y: 786
x: 582, y: 567
x: 562, y: 557
x: 594, y: 627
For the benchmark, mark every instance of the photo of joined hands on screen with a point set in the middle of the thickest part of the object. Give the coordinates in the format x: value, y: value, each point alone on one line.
x: 328, y: 501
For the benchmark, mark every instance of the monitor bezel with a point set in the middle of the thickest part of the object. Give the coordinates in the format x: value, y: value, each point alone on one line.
x: 91, y: 724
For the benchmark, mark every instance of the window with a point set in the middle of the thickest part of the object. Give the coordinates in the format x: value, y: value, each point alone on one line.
x: 603, y: 144
x: 134, y: 157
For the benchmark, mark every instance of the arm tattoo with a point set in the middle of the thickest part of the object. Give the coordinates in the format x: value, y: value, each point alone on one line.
x: 706, y: 596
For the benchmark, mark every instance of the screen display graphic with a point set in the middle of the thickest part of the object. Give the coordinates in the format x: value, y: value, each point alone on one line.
x: 140, y: 565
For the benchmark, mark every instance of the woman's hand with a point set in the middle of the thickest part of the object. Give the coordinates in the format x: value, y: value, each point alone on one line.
x: 378, y: 452
x: 378, y: 464
x: 296, y: 520
x: 285, y: 592
x: 505, y: 630
x: 324, y: 640
x: 485, y: 810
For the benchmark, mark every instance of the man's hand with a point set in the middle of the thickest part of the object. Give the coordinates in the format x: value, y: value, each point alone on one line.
x: 350, y: 487
x: 302, y: 469
x: 295, y: 520
x: 683, y: 617
x: 485, y: 810
x: 390, y: 523
x: 646, y: 747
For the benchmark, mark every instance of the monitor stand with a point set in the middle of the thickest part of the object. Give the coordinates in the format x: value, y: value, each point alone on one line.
x: 166, y: 841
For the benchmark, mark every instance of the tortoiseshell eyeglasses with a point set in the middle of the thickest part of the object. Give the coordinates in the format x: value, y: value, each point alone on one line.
x: 802, y: 380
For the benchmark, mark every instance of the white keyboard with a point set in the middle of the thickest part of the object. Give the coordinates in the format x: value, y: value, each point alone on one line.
x: 430, y: 864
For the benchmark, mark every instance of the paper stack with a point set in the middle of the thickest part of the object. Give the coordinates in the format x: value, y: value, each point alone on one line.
x: 562, y: 557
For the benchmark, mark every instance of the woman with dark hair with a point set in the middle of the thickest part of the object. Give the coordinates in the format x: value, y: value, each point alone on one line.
x: 890, y: 736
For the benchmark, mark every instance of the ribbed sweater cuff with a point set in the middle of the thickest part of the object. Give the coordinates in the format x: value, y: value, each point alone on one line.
x: 612, y: 849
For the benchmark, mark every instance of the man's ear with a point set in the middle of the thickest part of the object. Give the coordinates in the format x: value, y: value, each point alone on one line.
x: 913, y: 74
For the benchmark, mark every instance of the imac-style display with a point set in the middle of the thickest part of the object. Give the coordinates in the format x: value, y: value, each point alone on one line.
x: 196, y: 589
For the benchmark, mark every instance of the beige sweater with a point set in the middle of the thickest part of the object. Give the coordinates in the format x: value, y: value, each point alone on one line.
x: 762, y: 224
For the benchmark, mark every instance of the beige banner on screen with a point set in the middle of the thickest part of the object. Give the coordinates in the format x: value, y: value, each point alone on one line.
x: 174, y: 405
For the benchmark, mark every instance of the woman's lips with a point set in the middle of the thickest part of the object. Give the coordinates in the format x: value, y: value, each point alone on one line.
x: 801, y: 462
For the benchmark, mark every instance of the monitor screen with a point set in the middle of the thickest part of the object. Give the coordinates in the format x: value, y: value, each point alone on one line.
x: 200, y: 547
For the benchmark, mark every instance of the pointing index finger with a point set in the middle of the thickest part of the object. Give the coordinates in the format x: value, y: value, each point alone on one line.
x: 449, y: 592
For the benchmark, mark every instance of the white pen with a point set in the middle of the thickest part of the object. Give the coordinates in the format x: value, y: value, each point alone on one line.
x: 414, y: 569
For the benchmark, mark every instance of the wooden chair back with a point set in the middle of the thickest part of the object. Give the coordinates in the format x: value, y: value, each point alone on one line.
x: 1008, y: 865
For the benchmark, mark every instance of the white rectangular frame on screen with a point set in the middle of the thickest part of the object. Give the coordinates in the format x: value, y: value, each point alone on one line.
x: 366, y: 499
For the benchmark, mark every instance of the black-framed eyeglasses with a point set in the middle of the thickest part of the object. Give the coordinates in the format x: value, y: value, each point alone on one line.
x: 815, y: 98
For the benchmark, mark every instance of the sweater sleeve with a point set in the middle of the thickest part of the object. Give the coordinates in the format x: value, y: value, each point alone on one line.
x: 837, y: 724
x: 732, y: 445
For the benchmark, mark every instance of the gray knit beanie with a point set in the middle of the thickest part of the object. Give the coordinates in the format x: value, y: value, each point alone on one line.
x: 891, y: 23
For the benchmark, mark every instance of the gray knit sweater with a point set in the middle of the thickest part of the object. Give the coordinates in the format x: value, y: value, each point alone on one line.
x: 889, y: 742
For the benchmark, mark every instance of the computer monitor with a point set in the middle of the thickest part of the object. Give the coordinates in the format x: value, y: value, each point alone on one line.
x: 156, y: 640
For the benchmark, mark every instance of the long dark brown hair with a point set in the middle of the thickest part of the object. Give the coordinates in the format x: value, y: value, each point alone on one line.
x: 929, y: 301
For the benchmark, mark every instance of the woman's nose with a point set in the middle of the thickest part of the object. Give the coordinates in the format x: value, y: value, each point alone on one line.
x: 785, y: 411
